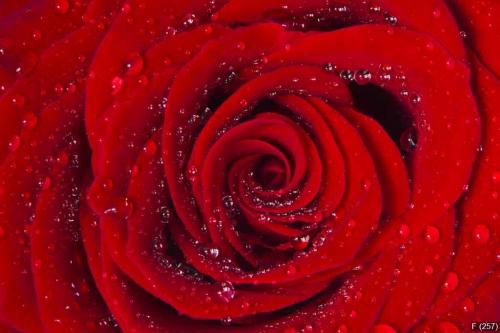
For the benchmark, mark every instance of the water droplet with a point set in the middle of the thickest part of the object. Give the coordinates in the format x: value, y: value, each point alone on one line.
x: 415, y: 98
x: 47, y: 183
x: 134, y: 64
x: 150, y: 148
x: 134, y: 171
x: 362, y: 77
x: 226, y: 292
x: 468, y: 305
x: 383, y: 328
x: 37, y: 35
x: 107, y: 184
x: 342, y: 328
x: 436, y: 12
x: 27, y: 64
x: 143, y: 80
x: 329, y: 67
x: 29, y: 120
x: 226, y: 321
x: 213, y: 252
x: 308, y: 329
x: 451, y: 282
x: 450, y: 63
x: 366, y: 184
x: 291, y: 270
x: 404, y: 231
x: 241, y: 46
x: 351, y: 223
x: 126, y: 8
x: 37, y: 263
x: 244, y: 103
x: 18, y: 100
x: 392, y: 20
x: 14, y: 142
x: 63, y: 158
x: 429, y: 270
x: 117, y: 84
x: 481, y: 234
x: 347, y: 75
x: 165, y: 214
x: 446, y: 327
x: 408, y: 140
x: 301, y: 243
x: 432, y: 234
x: 62, y: 6
x: 208, y: 29
x: 496, y: 177
x: 290, y: 330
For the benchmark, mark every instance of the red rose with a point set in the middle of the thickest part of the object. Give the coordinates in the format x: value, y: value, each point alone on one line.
x: 249, y: 166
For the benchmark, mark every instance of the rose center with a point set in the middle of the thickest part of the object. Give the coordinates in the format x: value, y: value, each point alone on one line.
x: 270, y: 173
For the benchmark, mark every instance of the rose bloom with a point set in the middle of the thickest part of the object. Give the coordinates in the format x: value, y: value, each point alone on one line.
x: 249, y: 166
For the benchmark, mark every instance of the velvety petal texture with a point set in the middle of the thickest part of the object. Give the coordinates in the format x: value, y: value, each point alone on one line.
x: 249, y: 166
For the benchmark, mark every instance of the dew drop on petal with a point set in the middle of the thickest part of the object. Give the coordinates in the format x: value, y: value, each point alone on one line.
x: 301, y: 243
x: 117, y: 84
x: 408, y: 140
x: 241, y: 46
x: 481, y: 234
x: 362, y: 77
x: 226, y: 292
x: 47, y: 183
x: 107, y: 184
x: 429, y: 270
x: 432, y: 234
x: 468, y: 305
x: 18, y: 100
x: 308, y: 328
x: 150, y: 148
x: 451, y: 282
x: 62, y: 6
x: 29, y: 120
x: 404, y: 231
x: 446, y: 327
x: 28, y: 63
x: 383, y: 328
x: 291, y: 270
x: 342, y: 329
x: 14, y: 142
x: 134, y: 64
x: 496, y: 177
x: 134, y: 171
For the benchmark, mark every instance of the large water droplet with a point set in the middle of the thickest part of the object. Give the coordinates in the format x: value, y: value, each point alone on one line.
x: 446, y: 327
x: 117, y: 84
x: 362, y: 77
x: 29, y: 120
x: 27, y: 64
x: 408, y: 140
x: 150, y: 148
x: 14, y: 142
x: 134, y: 64
x: 451, y: 282
x: 18, y: 100
x: 62, y: 6
x: 468, y: 305
x: 226, y: 292
x: 404, y: 231
x: 432, y: 234
x: 481, y: 234
x: 383, y: 328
